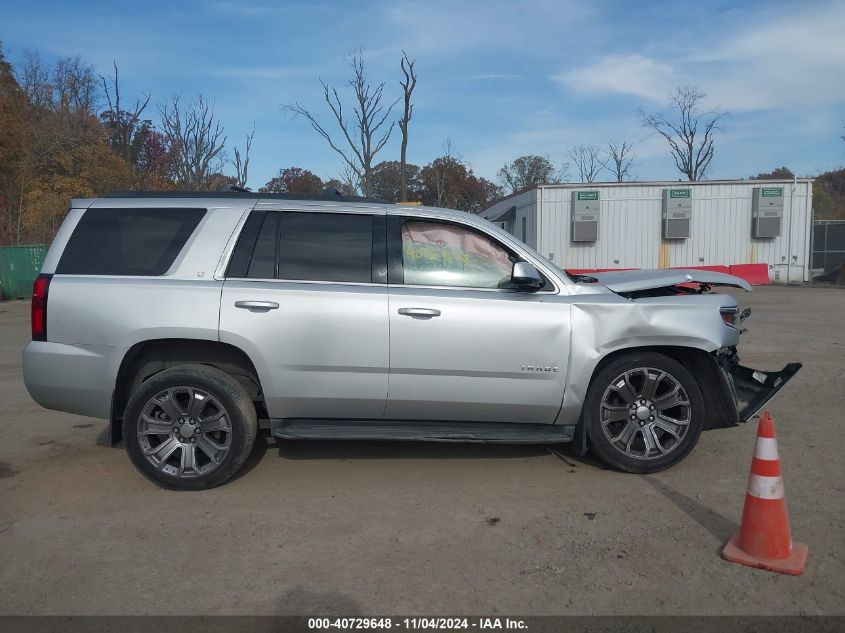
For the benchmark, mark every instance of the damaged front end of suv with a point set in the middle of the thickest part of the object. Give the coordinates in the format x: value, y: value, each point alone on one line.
x: 739, y: 392
x: 752, y: 388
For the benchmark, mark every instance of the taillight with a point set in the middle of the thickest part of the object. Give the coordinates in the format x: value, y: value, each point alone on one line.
x: 39, y: 307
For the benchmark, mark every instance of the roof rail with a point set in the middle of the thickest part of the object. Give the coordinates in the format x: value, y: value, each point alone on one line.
x: 243, y: 194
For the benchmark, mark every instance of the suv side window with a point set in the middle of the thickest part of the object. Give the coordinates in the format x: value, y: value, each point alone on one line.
x: 131, y: 242
x: 304, y: 246
x: 444, y: 254
x: 326, y: 247
x: 262, y: 265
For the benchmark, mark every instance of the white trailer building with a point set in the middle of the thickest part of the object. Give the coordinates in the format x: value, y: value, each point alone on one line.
x: 669, y: 224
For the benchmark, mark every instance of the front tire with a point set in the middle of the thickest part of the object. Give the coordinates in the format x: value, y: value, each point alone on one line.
x: 644, y: 412
x: 190, y: 427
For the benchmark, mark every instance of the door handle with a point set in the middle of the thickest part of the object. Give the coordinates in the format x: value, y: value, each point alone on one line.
x: 257, y: 306
x: 425, y: 313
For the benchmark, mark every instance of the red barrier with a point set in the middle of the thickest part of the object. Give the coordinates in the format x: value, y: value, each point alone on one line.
x: 755, y: 274
x: 613, y: 270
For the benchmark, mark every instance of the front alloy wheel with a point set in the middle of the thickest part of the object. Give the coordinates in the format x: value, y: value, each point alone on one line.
x: 644, y: 412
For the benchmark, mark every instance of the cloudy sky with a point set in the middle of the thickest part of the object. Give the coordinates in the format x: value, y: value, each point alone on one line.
x: 499, y: 78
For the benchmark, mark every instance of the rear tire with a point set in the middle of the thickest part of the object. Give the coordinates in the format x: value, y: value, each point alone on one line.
x: 644, y: 412
x: 190, y: 427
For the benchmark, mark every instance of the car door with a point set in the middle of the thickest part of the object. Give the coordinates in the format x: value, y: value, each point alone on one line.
x: 305, y: 297
x: 463, y: 345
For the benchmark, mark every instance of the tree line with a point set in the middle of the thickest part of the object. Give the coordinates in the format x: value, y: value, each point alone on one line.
x: 69, y: 132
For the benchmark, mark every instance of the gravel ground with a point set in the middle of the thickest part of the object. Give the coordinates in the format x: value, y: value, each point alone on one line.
x: 394, y: 528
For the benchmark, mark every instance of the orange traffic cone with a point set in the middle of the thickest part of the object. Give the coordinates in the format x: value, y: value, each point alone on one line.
x: 763, y: 539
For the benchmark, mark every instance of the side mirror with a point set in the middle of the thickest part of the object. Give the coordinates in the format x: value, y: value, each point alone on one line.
x: 526, y: 277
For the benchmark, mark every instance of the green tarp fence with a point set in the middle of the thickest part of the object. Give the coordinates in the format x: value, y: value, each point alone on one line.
x: 19, y: 266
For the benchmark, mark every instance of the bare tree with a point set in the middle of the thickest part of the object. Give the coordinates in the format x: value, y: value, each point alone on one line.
x: 67, y: 88
x: 587, y: 161
x: 242, y: 162
x: 362, y: 134
x: 351, y: 181
x: 124, y: 123
x: 196, y: 139
x: 408, y: 85
x: 690, y: 135
x: 619, y: 160
x: 74, y: 87
x: 34, y: 78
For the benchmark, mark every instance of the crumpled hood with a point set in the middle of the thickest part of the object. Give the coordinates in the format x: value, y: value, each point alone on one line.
x: 633, y: 280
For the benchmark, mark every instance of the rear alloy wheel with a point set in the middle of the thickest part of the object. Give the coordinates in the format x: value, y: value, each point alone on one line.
x: 644, y: 412
x: 189, y: 427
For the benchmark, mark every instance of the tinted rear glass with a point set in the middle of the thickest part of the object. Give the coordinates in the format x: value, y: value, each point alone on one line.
x: 263, y: 262
x: 326, y: 247
x: 128, y: 242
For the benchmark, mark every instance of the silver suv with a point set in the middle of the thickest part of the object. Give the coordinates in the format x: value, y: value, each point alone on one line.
x: 191, y: 321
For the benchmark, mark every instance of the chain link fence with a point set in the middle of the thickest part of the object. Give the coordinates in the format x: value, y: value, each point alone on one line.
x: 828, y: 245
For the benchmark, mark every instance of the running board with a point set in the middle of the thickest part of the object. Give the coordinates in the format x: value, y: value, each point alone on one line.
x: 414, y: 431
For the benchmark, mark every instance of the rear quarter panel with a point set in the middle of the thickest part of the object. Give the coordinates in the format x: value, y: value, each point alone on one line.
x: 93, y: 320
x: 120, y: 311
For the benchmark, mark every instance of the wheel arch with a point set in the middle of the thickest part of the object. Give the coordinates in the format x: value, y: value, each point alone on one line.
x: 714, y: 385
x: 147, y: 358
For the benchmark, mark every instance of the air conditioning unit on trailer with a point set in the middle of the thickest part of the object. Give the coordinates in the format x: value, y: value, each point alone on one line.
x: 584, y: 216
x: 677, y: 213
x: 766, y: 211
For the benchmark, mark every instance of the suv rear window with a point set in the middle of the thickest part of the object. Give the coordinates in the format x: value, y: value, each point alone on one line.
x: 131, y: 242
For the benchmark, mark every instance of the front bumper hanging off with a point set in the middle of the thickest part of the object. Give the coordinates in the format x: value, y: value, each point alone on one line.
x: 753, y: 388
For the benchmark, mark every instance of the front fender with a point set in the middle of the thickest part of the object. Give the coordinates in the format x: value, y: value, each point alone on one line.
x: 603, y: 325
